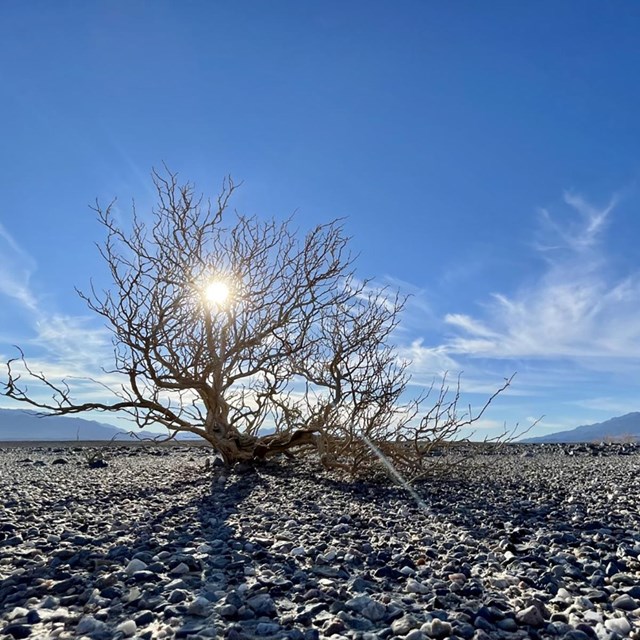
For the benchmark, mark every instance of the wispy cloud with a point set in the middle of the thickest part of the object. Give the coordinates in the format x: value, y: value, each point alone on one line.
x: 574, y: 309
x: 580, y: 230
x: 62, y: 337
x: 60, y: 345
x: 16, y: 267
x: 67, y: 348
x: 570, y: 331
x: 73, y: 339
x: 427, y: 362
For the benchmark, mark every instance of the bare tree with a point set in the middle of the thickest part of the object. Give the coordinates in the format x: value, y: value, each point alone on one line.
x: 215, y: 369
x: 299, y: 347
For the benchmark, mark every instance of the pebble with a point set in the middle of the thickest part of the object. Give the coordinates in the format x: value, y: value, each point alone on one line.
x: 89, y: 626
x: 262, y: 604
x: 620, y: 625
x: 530, y: 616
x: 180, y: 569
x: 17, y: 631
x: 150, y: 546
x: 413, y: 586
x: 374, y: 611
x: 135, y: 566
x: 404, y: 625
x: 438, y: 629
x: 626, y: 603
x: 127, y: 628
x: 199, y: 607
x: 267, y: 628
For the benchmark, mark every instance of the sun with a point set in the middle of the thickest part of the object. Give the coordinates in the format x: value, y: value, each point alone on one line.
x: 216, y: 292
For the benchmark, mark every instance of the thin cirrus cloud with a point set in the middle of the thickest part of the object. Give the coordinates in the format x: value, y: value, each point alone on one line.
x: 67, y: 348
x: 574, y: 310
x: 61, y: 345
x: 16, y: 267
x: 578, y: 235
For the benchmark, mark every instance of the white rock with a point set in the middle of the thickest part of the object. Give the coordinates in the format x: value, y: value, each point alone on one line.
x: 575, y: 619
x: 133, y: 594
x: 127, y: 628
x: 298, y: 551
x: 135, y: 565
x: 563, y: 595
x: 592, y: 617
x: 18, y: 612
x: 327, y: 582
x: 413, y: 586
x: 404, y: 625
x: 620, y: 626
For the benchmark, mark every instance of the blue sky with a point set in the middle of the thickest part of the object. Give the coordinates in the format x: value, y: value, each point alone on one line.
x: 486, y: 157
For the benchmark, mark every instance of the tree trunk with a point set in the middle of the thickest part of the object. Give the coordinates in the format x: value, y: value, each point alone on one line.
x: 234, y: 446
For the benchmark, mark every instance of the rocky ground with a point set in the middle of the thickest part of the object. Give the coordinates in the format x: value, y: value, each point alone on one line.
x: 537, y: 542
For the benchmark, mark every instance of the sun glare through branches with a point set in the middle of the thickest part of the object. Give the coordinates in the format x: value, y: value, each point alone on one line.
x: 216, y: 292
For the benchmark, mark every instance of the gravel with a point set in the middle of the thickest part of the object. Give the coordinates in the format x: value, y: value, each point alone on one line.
x: 538, y: 541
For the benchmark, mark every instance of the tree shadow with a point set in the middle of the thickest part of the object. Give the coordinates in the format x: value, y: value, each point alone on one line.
x: 199, y: 534
x: 187, y: 542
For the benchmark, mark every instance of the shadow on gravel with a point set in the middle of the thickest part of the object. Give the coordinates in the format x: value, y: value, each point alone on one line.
x: 286, y: 552
x: 171, y: 565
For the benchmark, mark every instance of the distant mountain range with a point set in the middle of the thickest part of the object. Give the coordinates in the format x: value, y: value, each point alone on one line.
x: 620, y: 429
x: 18, y: 424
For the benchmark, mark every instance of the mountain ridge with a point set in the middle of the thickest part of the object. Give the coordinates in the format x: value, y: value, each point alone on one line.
x: 24, y: 425
x: 21, y: 424
x: 625, y: 427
